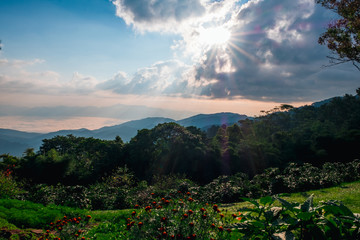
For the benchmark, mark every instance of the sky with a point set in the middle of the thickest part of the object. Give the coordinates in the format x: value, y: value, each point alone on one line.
x: 70, y: 64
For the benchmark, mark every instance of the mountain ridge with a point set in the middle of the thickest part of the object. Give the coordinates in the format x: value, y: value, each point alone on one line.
x: 15, y: 142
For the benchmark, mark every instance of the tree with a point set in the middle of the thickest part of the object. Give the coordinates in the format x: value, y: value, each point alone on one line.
x: 343, y: 35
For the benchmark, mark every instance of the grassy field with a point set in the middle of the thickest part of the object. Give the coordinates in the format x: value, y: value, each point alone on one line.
x: 348, y: 193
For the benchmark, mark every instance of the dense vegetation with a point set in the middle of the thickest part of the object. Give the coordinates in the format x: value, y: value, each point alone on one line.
x: 286, y: 150
x: 310, y: 134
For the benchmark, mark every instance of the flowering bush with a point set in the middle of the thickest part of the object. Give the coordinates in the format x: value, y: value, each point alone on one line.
x: 8, y: 186
x: 178, y: 216
x: 66, y: 228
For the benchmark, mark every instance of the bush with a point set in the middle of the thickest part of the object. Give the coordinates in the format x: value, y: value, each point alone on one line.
x: 9, y: 188
x: 329, y: 220
x: 178, y: 217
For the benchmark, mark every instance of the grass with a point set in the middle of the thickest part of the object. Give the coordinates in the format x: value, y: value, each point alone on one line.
x: 347, y: 193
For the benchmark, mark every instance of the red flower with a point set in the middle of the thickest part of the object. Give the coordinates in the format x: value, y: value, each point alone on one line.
x: 202, y: 210
x: 204, y: 216
x: 215, y: 207
x: 136, y: 206
x: 133, y: 213
x: 221, y: 228
x: 228, y: 230
x: 190, y: 211
x: 163, y: 219
x: 191, y: 224
x: 212, y: 225
x: 185, y: 215
x: 140, y: 224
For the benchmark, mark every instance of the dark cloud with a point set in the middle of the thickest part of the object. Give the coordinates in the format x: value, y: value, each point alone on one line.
x: 146, y: 15
x: 273, y: 53
x: 275, y: 56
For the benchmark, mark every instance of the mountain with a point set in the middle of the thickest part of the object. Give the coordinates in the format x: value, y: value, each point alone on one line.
x: 16, y: 142
x: 129, y: 129
x: 205, y: 121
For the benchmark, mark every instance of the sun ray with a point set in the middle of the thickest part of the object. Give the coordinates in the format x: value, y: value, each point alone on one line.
x: 243, y: 52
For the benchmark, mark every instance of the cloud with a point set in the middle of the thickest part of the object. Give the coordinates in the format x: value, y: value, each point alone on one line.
x: 165, y: 77
x: 17, y: 76
x: 158, y: 15
x: 273, y: 54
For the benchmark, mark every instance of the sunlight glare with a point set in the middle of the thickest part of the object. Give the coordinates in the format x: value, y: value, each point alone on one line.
x: 214, y: 36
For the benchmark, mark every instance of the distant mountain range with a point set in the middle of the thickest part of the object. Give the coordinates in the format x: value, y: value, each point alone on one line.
x: 16, y: 142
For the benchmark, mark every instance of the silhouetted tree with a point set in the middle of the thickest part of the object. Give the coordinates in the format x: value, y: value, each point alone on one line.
x: 343, y: 35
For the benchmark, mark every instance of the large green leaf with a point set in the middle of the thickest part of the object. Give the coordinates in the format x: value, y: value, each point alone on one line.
x: 308, y: 204
x: 285, y: 203
x: 266, y: 200
x: 305, y: 216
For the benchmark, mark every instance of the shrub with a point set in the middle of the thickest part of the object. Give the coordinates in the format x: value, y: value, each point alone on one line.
x: 179, y: 217
x: 9, y: 188
x: 329, y: 220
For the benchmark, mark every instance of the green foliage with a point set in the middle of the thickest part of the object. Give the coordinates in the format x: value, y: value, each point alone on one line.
x: 9, y: 187
x: 31, y: 215
x: 178, y: 217
x: 225, y: 189
x: 329, y: 220
x: 67, y: 228
x: 342, y: 36
x: 72, y: 160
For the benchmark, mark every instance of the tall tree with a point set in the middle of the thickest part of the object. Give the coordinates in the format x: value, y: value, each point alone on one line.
x: 343, y: 35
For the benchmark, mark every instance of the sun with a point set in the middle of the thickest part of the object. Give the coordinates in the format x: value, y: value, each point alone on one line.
x: 214, y: 36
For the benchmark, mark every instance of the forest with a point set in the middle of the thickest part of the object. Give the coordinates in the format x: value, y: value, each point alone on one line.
x: 280, y: 139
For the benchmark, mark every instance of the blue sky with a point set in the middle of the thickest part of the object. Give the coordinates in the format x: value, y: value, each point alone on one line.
x: 73, y: 63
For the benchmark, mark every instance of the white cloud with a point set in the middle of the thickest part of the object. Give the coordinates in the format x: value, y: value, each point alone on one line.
x: 166, y: 77
x: 17, y: 76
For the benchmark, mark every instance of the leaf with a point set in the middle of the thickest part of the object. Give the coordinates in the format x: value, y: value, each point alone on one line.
x: 257, y: 224
x: 332, y: 230
x: 285, y: 203
x: 308, y: 204
x: 266, y: 200
x: 305, y: 216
